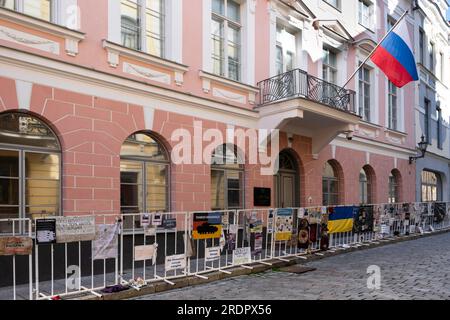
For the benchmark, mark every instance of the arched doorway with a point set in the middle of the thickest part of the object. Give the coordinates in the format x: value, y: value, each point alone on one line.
x: 30, y: 167
x: 287, y: 181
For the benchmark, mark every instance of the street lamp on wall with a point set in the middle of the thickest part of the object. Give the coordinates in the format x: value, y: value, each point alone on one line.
x: 423, y: 145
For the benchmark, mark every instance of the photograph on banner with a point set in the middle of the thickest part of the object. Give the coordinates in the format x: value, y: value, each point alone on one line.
x: 16, y: 246
x: 439, y: 211
x: 212, y: 254
x: 207, y: 225
x: 284, y: 219
x: 175, y: 262
x: 75, y: 229
x: 45, y: 231
x: 363, y: 219
x: 242, y: 256
x: 145, y: 252
x: 146, y: 220
x: 231, y: 241
x: 303, y: 234
x: 257, y: 244
x: 270, y: 221
x: 105, y: 244
x: 157, y: 219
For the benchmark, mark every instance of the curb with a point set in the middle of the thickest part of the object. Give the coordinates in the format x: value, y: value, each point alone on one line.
x: 161, y: 286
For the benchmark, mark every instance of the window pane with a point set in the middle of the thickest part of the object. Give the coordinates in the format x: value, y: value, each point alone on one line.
x: 131, y: 187
x: 42, y: 166
x: 37, y: 8
x: 130, y: 24
x: 154, y: 27
x: 233, y: 11
x: 142, y: 145
x: 9, y: 4
x: 217, y: 190
x: 9, y: 163
x: 218, y: 7
x: 217, y: 47
x: 22, y: 129
x: 41, y: 212
x: 156, y: 198
x: 9, y: 192
x: 42, y: 193
x: 234, y: 53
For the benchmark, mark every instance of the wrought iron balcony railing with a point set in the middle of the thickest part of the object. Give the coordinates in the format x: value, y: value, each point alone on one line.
x: 299, y: 84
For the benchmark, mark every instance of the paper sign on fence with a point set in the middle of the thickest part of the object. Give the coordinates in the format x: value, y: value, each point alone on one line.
x: 242, y: 256
x: 175, y: 262
x: 105, y: 245
x: 20, y: 246
x: 212, y: 254
x: 74, y: 229
x: 143, y: 253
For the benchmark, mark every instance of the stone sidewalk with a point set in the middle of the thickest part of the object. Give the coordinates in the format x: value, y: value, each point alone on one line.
x: 418, y: 269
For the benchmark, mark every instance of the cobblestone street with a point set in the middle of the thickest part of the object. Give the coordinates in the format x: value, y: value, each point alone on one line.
x: 409, y: 270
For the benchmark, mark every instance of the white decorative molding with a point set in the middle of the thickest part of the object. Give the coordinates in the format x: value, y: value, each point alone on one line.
x: 115, y: 51
x: 395, y: 136
x: 23, y: 92
x: 29, y: 40
x: 228, y: 95
x: 146, y: 73
x: 250, y: 91
x: 71, y: 37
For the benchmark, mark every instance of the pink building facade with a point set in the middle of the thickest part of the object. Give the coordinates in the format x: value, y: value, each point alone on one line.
x: 114, y: 92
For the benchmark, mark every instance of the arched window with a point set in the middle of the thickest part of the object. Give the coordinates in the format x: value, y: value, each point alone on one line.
x: 394, y: 187
x: 30, y: 168
x: 431, y: 186
x: 227, y: 179
x: 365, y: 187
x: 144, y: 175
x: 330, y: 185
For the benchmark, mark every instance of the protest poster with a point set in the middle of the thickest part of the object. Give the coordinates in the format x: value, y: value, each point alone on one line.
x: 283, y: 224
x: 45, y: 231
x: 145, y: 220
x: 74, y: 229
x: 169, y: 223
x: 258, y: 244
x: 16, y: 246
x: 207, y: 225
x: 105, y: 244
x: 242, y: 256
x: 157, y: 219
x: 212, y: 254
x: 144, y: 252
x: 231, y: 241
x: 175, y: 262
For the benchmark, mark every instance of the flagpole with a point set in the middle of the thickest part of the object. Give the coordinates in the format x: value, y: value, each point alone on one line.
x: 376, y: 47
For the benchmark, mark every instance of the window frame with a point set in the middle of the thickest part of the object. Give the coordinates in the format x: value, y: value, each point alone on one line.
x: 364, y: 110
x: 227, y: 25
x: 143, y: 161
x: 393, y: 107
x: 327, y: 195
x: 142, y: 32
x: 393, y: 189
x: 22, y: 179
x: 426, y: 183
x: 19, y: 6
x: 361, y: 14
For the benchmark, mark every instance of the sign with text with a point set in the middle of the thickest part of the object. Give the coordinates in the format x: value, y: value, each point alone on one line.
x: 242, y: 256
x: 284, y: 219
x: 143, y: 253
x: 45, y: 231
x: 16, y: 246
x: 175, y: 262
x: 212, y: 254
x: 74, y: 229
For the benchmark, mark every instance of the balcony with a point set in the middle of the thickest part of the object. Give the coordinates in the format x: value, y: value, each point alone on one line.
x: 299, y: 103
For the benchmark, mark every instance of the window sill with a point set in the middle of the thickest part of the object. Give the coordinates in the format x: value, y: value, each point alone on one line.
x: 71, y: 37
x: 115, y: 51
x: 242, y: 93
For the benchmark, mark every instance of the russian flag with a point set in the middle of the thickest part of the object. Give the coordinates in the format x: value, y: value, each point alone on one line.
x: 395, y: 57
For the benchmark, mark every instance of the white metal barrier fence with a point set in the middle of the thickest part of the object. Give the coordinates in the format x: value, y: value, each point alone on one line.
x: 79, y: 255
